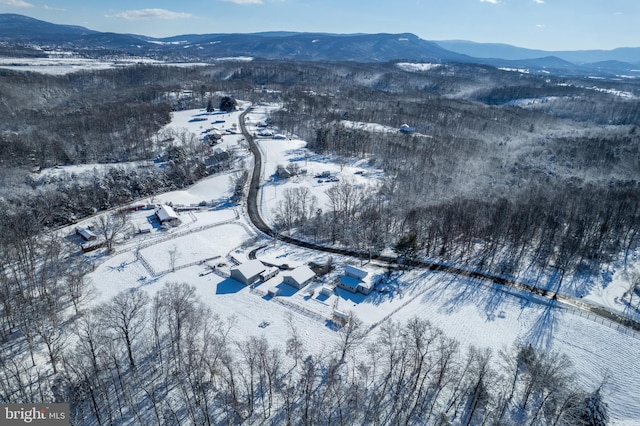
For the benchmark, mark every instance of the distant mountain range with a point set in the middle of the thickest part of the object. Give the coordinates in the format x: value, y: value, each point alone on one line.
x: 18, y: 32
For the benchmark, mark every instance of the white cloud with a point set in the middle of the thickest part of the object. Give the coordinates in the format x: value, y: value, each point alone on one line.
x: 538, y: 1
x: 136, y: 15
x: 16, y: 3
x: 541, y: 26
x: 245, y: 1
x: 490, y: 1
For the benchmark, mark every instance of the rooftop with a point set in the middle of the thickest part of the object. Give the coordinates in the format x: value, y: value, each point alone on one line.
x: 301, y: 274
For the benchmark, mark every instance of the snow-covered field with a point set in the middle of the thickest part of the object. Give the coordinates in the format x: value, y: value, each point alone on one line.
x: 66, y: 65
x: 209, y: 241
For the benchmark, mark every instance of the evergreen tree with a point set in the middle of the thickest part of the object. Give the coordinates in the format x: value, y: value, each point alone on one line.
x: 228, y: 104
x: 595, y: 412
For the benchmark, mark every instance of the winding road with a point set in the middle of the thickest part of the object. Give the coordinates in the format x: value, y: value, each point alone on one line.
x: 258, y: 222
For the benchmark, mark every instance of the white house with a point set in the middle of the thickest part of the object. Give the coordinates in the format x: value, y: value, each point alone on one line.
x: 299, y: 277
x: 249, y: 272
x: 357, y: 273
x: 355, y: 280
x: 166, y: 213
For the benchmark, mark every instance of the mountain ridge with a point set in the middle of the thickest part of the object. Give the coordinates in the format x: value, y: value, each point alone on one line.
x: 22, y: 31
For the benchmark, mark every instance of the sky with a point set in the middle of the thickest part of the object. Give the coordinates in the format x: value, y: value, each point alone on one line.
x: 537, y: 24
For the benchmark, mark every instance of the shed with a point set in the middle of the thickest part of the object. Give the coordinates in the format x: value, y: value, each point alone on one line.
x: 283, y: 173
x: 144, y: 228
x: 340, y: 315
x: 299, y: 277
x: 273, y: 292
x: 249, y: 272
x: 326, y: 291
x: 86, y: 234
x: 166, y: 213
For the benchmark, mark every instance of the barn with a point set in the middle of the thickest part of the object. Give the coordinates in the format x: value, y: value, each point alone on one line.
x: 249, y: 272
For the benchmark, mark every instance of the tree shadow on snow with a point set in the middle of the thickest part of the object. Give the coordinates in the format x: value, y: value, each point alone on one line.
x: 439, y: 290
x: 467, y: 292
x: 222, y: 203
x: 493, y: 298
x: 541, y: 333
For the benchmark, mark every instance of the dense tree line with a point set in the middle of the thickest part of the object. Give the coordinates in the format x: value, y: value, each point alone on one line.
x: 513, y: 190
x: 167, y: 359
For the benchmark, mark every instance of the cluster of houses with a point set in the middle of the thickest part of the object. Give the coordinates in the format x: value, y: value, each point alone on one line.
x: 254, y: 271
x: 354, y: 280
x: 165, y: 214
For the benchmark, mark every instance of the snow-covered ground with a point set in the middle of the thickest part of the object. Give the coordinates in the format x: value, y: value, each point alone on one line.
x: 212, y: 239
x: 282, y: 152
x: 66, y: 65
x: 417, y: 67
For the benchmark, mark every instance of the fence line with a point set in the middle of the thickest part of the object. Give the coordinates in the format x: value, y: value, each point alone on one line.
x: 187, y: 265
x: 599, y: 320
x: 306, y: 312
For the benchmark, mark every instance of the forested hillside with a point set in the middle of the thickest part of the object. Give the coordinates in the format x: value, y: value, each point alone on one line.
x: 532, y: 177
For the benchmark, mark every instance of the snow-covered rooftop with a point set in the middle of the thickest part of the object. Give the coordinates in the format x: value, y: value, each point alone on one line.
x: 301, y: 274
x: 166, y: 213
x: 355, y: 272
x: 250, y: 269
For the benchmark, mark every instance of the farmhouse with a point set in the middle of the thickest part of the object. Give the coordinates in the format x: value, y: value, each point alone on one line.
x: 299, y: 277
x: 166, y: 213
x: 249, y: 272
x: 355, y: 280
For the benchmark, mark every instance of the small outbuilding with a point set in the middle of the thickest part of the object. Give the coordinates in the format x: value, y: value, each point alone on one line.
x: 86, y: 234
x: 165, y: 213
x: 144, y: 228
x: 282, y: 173
x: 299, y: 277
x: 273, y: 292
x: 326, y: 291
x: 249, y: 272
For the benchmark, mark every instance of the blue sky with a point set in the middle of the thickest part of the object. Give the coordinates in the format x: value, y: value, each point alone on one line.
x: 540, y: 24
